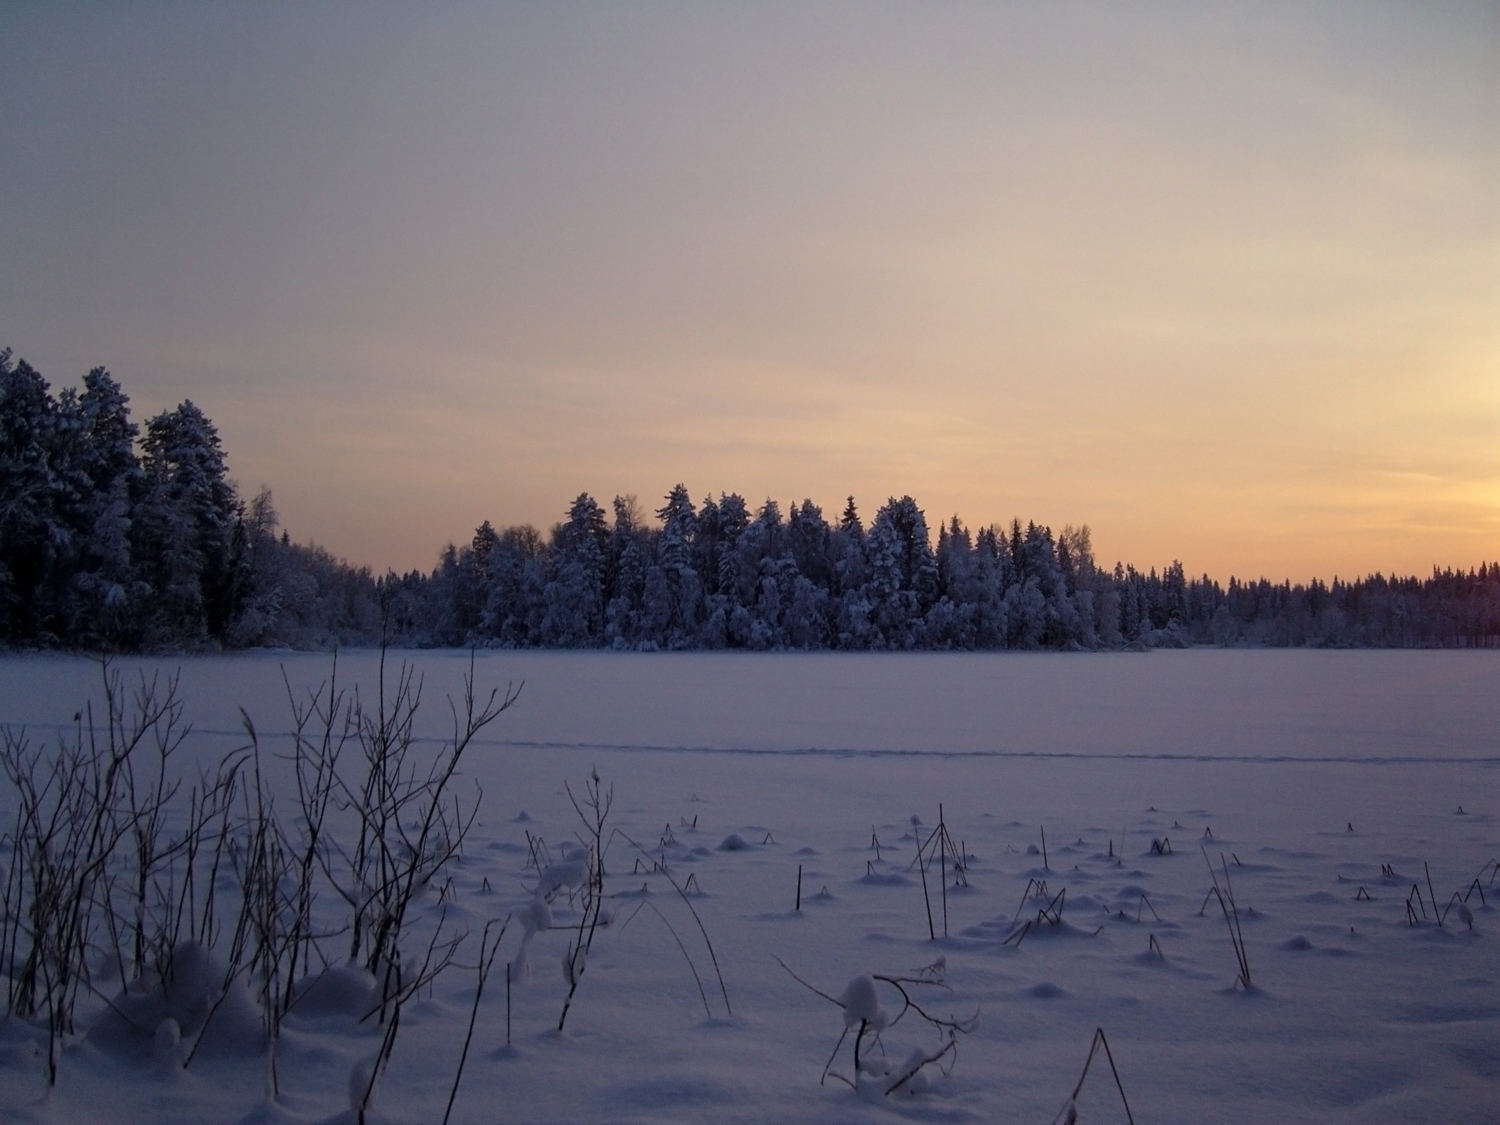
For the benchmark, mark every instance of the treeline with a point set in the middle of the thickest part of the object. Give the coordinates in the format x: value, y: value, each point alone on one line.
x: 719, y: 576
x: 115, y: 538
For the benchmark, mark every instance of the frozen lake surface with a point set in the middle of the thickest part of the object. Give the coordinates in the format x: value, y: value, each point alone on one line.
x: 1328, y: 705
x: 1312, y: 773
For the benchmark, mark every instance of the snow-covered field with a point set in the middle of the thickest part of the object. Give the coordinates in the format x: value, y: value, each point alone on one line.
x: 1329, y: 783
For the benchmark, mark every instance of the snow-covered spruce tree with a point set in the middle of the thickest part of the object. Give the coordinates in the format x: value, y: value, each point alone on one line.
x: 773, y: 594
x: 708, y: 541
x: 759, y: 540
x: 734, y: 518
x: 625, y: 582
x: 106, y: 585
x: 950, y: 622
x: 263, y: 573
x: 801, y: 601
x: 36, y: 539
x: 485, y: 592
x: 514, y: 578
x: 806, y: 614
x: 848, y: 541
x: 1169, y: 605
x: 809, y: 539
x: 987, y: 590
x: 903, y: 572
x: 469, y: 593
x: 575, y: 596
x: 1086, y: 583
x: 806, y: 619
x: 678, y: 512
x: 185, y: 526
x: 849, y: 605
x: 767, y: 538
x: 400, y: 602
x: 453, y: 598
x: 673, y: 595
x: 68, y: 475
x: 856, y: 630
x: 1134, y: 618
x: 1039, y: 610
x: 718, y: 559
x: 709, y: 547
x: 1026, y: 614
x: 1060, y: 624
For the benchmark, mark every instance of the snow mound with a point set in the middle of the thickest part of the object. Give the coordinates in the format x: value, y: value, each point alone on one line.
x: 347, y: 990
x: 569, y: 873
x: 885, y: 879
x: 192, y: 988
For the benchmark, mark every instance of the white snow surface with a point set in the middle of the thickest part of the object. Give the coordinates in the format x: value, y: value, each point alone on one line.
x: 1299, y: 775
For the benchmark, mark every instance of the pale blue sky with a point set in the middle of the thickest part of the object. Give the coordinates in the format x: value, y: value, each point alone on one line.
x: 1222, y: 281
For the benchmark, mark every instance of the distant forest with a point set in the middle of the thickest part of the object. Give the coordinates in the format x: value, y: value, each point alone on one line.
x: 116, y: 539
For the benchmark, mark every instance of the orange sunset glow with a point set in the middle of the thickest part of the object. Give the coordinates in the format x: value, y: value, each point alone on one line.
x: 1221, y: 282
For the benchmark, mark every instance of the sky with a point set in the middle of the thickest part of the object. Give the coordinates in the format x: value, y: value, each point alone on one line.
x: 1220, y: 281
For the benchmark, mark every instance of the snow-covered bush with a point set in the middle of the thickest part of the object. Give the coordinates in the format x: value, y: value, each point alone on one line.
x: 868, y: 1019
x: 197, y: 901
